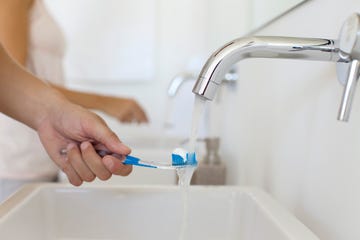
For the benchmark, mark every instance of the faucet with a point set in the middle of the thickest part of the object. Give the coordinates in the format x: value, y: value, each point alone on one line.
x: 177, y: 81
x: 345, y: 52
x: 230, y: 77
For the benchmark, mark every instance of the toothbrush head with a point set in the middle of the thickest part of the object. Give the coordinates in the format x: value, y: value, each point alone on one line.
x: 180, y: 157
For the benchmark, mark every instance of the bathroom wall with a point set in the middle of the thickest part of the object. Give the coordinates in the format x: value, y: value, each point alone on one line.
x: 282, y: 134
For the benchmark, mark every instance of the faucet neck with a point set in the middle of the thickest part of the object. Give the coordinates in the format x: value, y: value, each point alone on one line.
x: 262, y: 47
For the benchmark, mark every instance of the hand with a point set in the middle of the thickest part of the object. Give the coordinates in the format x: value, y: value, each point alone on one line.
x: 71, y: 127
x: 124, y: 109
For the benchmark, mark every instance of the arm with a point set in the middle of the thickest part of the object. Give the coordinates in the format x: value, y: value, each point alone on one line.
x: 124, y: 109
x: 21, y: 94
x: 60, y: 124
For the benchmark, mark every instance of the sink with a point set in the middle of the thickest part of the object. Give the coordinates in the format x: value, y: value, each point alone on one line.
x: 55, y: 211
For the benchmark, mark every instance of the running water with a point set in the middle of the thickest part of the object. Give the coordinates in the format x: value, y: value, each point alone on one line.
x: 198, y: 111
x: 185, y: 174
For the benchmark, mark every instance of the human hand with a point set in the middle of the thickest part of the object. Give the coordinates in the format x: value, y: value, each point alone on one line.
x: 124, y: 109
x: 76, y: 130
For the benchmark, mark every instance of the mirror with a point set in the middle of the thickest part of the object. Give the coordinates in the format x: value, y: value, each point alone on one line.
x: 117, y: 41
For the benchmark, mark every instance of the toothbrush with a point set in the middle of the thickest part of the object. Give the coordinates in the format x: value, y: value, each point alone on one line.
x: 180, y: 159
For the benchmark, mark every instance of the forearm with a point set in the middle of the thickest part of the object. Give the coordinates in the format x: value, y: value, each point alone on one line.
x: 124, y: 109
x: 22, y: 95
x: 86, y: 100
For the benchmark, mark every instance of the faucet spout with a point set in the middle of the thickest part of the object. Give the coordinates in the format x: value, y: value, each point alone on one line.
x: 261, y: 47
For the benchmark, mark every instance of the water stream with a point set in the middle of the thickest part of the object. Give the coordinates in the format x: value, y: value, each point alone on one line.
x: 185, y: 174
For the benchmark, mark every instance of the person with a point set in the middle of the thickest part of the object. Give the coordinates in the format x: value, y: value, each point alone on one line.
x: 33, y: 39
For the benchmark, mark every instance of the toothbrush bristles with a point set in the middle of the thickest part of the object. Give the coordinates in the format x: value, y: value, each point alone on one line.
x: 189, y: 160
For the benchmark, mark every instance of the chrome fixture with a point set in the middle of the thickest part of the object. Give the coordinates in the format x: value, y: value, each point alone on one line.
x: 177, y: 81
x: 345, y: 52
x: 230, y: 77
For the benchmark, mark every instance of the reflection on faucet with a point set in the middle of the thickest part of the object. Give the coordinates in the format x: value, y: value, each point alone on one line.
x: 346, y: 52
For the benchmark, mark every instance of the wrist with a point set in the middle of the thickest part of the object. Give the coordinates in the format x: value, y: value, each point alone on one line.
x: 53, y: 105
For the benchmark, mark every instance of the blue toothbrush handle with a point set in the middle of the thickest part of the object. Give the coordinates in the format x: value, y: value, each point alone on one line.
x: 136, y: 161
x: 129, y: 160
x: 177, y: 160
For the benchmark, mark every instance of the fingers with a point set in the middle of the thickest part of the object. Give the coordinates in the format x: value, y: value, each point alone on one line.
x: 139, y: 114
x: 132, y: 112
x: 126, y: 116
x: 74, y: 179
x: 94, y: 161
x: 85, y: 164
x: 76, y: 161
x: 67, y: 167
x: 100, y: 132
x: 115, y: 166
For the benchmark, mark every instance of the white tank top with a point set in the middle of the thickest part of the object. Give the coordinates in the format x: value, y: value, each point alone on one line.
x: 21, y: 153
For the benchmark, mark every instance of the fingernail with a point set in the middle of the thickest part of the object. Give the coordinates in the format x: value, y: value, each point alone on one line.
x: 108, y: 163
x: 84, y: 145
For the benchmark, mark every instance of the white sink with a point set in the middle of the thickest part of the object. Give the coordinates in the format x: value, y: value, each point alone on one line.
x: 52, y: 211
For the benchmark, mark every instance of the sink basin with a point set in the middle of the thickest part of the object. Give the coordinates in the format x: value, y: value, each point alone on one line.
x: 54, y: 211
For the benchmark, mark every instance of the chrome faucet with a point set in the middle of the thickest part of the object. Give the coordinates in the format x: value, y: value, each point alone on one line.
x: 345, y: 52
x: 230, y: 77
x: 177, y: 81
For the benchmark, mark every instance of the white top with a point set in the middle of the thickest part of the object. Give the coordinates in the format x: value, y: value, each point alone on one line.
x: 21, y: 153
